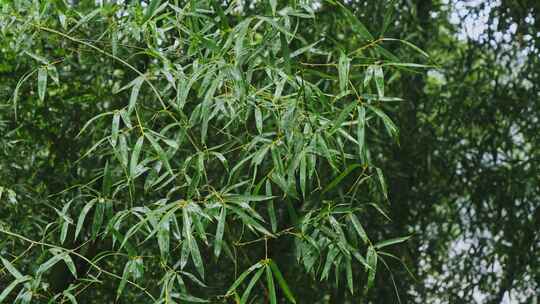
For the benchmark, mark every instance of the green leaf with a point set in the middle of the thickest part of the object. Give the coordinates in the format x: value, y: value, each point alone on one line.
x: 188, y: 298
x: 249, y: 221
x: 242, y: 277
x: 107, y: 180
x: 281, y: 281
x: 358, y: 227
x: 258, y: 120
x: 348, y: 270
x: 123, y: 281
x: 254, y: 279
x: 408, y: 65
x: 69, y: 263
x: 90, y: 122
x: 115, y: 128
x: 343, y: 115
x: 196, y: 257
x: 379, y: 79
x: 343, y: 70
x: 340, y: 177
x: 137, y: 83
x: 49, y: 263
x: 98, y: 217
x: 392, y: 241
x: 357, y: 26
x: 273, y: 5
x: 12, y: 286
x: 414, y: 47
x: 42, y: 83
x: 37, y: 57
x: 219, y: 231
x: 85, y: 19
x: 271, y: 287
x: 388, y: 123
x: 70, y: 297
x: 270, y: 207
x: 371, y: 259
x: 63, y: 231
x: 163, y: 237
x: 361, y: 132
x: 286, y: 52
x: 241, y: 31
x: 135, y: 157
x: 14, y: 272
x: 161, y: 154
x: 154, y: 4
x: 382, y: 183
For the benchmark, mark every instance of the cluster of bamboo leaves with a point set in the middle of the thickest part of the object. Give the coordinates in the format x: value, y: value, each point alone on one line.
x: 223, y: 130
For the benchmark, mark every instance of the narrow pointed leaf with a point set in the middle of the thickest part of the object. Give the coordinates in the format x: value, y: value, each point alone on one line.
x: 42, y: 83
x: 281, y: 281
x: 392, y: 241
x: 271, y: 287
x: 219, y: 231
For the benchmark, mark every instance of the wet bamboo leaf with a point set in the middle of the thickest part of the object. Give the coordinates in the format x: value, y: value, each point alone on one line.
x: 343, y: 69
x: 14, y: 272
x: 252, y: 282
x: 242, y: 277
x: 7, y: 290
x: 42, y: 83
x: 392, y: 241
x: 219, y: 231
x: 271, y: 287
x: 281, y: 281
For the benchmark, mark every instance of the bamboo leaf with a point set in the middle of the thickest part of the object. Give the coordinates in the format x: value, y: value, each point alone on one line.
x: 358, y: 227
x: 382, y: 182
x: 343, y: 115
x: 135, y: 93
x: 281, y: 281
x: 379, y: 79
x: 392, y: 241
x: 343, y: 70
x: 242, y: 277
x: 49, y: 263
x: 340, y: 177
x: 163, y: 237
x: 271, y: 287
x: 42, y: 83
x: 115, y: 128
x: 161, y: 154
x: 348, y: 270
x: 14, y: 272
x: 271, y: 209
x: 135, y: 157
x: 414, y: 47
x: 7, y: 290
x: 258, y: 120
x: 254, y: 279
x: 99, y: 211
x: 219, y: 231
x: 371, y: 259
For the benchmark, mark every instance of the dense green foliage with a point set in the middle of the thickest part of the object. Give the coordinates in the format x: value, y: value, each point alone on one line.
x: 180, y: 151
x: 233, y: 152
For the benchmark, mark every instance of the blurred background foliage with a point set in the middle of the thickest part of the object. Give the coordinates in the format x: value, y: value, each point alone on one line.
x: 461, y: 174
